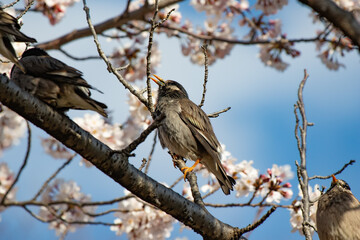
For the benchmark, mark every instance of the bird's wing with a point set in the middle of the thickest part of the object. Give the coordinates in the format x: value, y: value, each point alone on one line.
x: 10, y: 26
x: 199, y: 124
x: 52, y: 69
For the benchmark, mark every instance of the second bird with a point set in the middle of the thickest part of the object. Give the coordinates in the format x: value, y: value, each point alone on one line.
x: 54, y: 82
x: 187, y: 132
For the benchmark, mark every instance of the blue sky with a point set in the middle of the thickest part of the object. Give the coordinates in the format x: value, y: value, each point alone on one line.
x: 259, y: 127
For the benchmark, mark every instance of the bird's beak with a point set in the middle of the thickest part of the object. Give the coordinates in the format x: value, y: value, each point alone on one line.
x: 159, y: 81
x: 334, y: 180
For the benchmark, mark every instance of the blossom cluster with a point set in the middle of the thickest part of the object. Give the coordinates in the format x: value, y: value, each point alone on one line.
x: 54, y: 10
x: 6, y: 180
x: 271, y: 186
x: 296, y: 216
x: 330, y: 51
x: 12, y: 127
x: 139, y: 220
x: 62, y: 215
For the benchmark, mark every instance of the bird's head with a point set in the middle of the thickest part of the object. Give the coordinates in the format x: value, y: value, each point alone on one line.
x: 34, y: 52
x: 339, y: 183
x: 169, y: 88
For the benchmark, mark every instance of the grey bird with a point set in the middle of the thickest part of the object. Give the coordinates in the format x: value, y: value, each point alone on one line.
x: 10, y: 32
x: 187, y: 132
x: 338, y: 213
x: 54, y: 82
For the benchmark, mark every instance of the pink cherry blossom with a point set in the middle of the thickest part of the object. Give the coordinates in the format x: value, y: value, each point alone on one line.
x: 139, y: 220
x: 12, y: 128
x: 270, y: 6
x: 6, y: 180
x: 60, y: 190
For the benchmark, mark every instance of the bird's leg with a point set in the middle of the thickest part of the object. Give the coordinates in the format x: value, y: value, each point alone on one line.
x: 189, y: 169
x: 174, y: 157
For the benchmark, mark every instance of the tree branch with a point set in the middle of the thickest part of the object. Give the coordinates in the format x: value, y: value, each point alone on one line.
x: 341, y: 18
x: 336, y: 173
x: 301, y: 169
x: 206, y: 64
x: 106, y: 25
x: 116, y: 166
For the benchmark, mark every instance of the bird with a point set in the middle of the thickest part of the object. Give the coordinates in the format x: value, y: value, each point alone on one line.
x: 187, y: 132
x: 57, y: 84
x: 338, y: 213
x: 10, y: 32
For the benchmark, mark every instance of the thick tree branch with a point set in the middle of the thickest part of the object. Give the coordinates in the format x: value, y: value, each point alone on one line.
x: 342, y: 19
x: 106, y: 25
x: 116, y: 166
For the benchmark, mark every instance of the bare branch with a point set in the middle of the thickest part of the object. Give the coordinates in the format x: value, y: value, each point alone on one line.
x: 336, y: 173
x: 302, y: 172
x: 154, y: 25
x: 10, y: 4
x: 191, y: 177
x: 79, y: 58
x: 151, y: 153
x: 108, y: 63
x: 148, y: 58
x: 132, y: 146
x: 251, y: 227
x: 53, y: 176
x: 28, y: 6
x: 216, y: 114
x: 106, y: 25
x: 22, y: 166
x: 204, y: 48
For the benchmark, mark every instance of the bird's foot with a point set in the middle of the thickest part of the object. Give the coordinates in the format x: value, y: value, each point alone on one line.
x: 186, y: 170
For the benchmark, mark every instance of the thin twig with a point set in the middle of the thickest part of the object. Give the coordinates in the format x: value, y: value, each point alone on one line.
x: 302, y: 172
x: 176, y: 181
x: 148, y: 58
x: 108, y: 63
x: 22, y: 166
x: 257, y: 223
x: 28, y: 6
x: 53, y: 176
x: 216, y: 114
x: 132, y: 146
x: 80, y: 58
x: 336, y: 173
x: 10, y: 4
x: 206, y: 64
x: 191, y: 177
x: 151, y: 153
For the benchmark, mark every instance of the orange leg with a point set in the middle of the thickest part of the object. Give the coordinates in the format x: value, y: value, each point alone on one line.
x: 189, y: 169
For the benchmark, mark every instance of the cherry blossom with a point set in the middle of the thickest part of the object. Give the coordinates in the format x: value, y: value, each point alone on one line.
x: 270, y: 54
x: 296, y: 217
x: 217, y: 49
x: 60, y: 190
x: 6, y: 180
x: 12, y: 127
x: 55, y: 148
x: 270, y: 186
x: 273, y: 188
x: 53, y: 9
x: 270, y: 6
x: 139, y: 220
x: 334, y: 49
x: 132, y: 54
